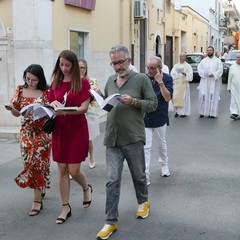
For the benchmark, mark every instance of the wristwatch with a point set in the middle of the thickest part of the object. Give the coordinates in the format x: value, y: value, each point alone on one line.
x: 160, y: 83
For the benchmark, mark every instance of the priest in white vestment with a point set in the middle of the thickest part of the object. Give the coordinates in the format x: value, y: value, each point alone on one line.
x: 210, y: 70
x: 234, y: 87
x: 182, y: 74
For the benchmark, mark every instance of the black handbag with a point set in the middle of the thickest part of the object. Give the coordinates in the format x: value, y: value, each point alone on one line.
x: 48, y: 125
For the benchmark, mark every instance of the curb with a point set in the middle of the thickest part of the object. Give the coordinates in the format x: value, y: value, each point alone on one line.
x: 12, y: 132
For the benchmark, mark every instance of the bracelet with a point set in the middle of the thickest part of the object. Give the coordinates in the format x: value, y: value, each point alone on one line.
x: 133, y: 102
x: 160, y: 83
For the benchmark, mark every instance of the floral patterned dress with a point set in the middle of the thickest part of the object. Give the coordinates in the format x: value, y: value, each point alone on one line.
x: 35, y: 145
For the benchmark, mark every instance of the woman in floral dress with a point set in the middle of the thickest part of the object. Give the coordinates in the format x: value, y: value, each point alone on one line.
x: 35, y: 144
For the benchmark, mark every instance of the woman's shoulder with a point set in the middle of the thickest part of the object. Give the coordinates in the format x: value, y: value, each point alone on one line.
x: 85, y: 82
x: 45, y: 92
x: 19, y: 88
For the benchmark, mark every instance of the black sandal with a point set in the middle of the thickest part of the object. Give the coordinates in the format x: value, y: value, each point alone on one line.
x: 35, y: 212
x: 43, y: 193
x: 88, y: 203
x: 62, y: 220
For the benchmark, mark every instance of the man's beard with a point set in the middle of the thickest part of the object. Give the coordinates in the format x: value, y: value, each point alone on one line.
x: 210, y: 54
x: 123, y: 73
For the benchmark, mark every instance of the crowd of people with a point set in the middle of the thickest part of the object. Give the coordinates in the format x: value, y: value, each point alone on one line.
x: 141, y: 112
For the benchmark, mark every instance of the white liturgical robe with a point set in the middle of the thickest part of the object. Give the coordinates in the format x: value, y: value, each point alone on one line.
x: 209, y: 87
x: 234, y: 87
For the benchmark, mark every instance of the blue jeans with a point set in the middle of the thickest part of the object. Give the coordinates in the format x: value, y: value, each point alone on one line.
x: 134, y: 155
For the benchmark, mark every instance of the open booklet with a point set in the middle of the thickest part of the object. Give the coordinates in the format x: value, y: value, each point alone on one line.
x: 40, y: 111
x: 108, y: 103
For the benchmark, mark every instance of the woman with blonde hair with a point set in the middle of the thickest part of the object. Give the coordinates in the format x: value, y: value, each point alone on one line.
x: 92, y: 115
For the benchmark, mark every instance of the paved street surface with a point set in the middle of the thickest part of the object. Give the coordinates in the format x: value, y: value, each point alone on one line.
x: 199, y: 201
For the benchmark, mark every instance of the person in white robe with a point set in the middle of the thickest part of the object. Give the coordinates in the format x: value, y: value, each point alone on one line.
x: 210, y: 70
x: 182, y: 74
x: 234, y: 88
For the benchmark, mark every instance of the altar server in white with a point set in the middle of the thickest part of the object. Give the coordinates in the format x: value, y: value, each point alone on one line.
x: 234, y: 88
x: 210, y: 70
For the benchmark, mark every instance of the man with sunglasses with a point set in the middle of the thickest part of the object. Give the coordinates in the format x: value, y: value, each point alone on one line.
x: 125, y: 136
x: 157, y: 121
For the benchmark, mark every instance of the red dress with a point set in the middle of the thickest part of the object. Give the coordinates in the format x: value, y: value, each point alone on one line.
x: 70, y: 135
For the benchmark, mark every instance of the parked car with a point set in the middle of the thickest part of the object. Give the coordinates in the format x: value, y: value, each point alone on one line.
x: 231, y: 58
x: 194, y: 59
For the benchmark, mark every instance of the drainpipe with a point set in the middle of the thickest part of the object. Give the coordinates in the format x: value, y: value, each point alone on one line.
x: 132, y: 31
x: 121, y: 21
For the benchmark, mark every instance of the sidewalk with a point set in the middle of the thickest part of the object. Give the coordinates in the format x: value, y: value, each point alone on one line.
x: 10, y: 132
x: 7, y: 132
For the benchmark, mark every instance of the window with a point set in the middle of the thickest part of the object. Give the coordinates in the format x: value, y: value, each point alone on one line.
x: 86, y: 4
x: 77, y: 43
x: 168, y: 6
x: 158, y: 15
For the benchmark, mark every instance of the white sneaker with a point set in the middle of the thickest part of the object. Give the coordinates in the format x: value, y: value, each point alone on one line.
x: 165, y: 171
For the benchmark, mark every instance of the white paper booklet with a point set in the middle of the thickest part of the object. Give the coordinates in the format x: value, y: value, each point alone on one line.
x: 39, y: 111
x: 108, y: 103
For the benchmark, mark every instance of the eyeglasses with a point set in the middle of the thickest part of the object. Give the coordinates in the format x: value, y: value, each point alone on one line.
x: 113, y: 64
x: 151, y: 68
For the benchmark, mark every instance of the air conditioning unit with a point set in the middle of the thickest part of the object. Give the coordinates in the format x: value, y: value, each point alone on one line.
x: 140, y: 9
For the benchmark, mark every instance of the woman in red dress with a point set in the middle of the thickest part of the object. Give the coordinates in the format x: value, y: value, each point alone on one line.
x: 70, y: 135
x: 35, y: 145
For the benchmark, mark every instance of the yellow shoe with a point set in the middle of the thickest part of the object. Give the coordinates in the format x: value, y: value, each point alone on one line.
x: 143, y: 210
x: 106, y: 231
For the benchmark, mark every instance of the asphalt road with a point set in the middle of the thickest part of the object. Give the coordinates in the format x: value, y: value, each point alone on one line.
x: 199, y: 201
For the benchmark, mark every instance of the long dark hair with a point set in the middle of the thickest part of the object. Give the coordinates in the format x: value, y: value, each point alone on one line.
x: 37, y: 71
x: 57, y: 75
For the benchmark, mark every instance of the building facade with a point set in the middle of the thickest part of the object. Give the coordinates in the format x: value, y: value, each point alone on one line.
x: 33, y: 31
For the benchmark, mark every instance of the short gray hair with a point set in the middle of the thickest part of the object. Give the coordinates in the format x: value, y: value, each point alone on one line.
x: 120, y: 48
x: 158, y: 60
